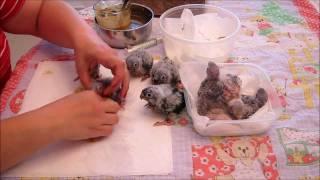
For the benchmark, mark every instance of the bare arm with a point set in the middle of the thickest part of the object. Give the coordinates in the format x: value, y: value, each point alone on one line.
x: 56, y: 21
x: 23, y: 135
x: 79, y: 116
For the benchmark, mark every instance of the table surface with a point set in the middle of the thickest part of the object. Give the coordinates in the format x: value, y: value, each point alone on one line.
x: 280, y: 36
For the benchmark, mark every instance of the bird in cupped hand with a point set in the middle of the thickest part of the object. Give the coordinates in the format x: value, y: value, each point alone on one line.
x: 165, y: 72
x: 139, y: 63
x: 99, y: 83
x: 164, y: 98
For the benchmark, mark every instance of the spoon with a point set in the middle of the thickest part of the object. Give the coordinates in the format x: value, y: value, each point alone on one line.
x: 124, y: 5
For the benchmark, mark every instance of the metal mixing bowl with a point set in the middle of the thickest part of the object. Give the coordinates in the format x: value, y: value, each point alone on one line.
x: 138, y: 31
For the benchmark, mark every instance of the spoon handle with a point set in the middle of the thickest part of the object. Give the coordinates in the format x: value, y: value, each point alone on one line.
x: 124, y: 5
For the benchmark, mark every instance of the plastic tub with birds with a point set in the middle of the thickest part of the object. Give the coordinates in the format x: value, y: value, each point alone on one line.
x: 252, y: 77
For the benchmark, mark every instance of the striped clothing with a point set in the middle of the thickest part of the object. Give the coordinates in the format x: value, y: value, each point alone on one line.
x: 8, y: 8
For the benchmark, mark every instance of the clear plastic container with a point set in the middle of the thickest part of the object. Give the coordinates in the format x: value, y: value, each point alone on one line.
x: 182, y: 48
x: 252, y: 77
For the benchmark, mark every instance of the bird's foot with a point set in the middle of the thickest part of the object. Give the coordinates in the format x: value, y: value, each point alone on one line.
x: 166, y: 122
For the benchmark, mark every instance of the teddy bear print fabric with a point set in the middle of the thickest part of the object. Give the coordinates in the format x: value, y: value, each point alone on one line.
x: 235, y: 158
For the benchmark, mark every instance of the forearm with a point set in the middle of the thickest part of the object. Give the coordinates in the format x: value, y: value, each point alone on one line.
x: 52, y: 20
x: 23, y: 135
x: 60, y: 23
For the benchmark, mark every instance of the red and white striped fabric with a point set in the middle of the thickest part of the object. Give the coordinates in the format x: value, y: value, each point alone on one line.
x: 8, y: 8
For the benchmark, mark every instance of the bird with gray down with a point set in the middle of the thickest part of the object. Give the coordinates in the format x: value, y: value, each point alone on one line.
x: 165, y: 72
x: 163, y: 98
x: 139, y: 64
x: 219, y: 97
x: 99, y: 84
x: 210, y: 93
x: 246, y: 106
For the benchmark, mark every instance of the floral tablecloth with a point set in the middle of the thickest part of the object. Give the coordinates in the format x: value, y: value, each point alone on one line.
x: 280, y: 36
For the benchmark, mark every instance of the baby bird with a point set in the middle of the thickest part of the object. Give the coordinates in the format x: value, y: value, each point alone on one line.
x: 246, y: 106
x: 256, y: 101
x: 99, y: 84
x: 139, y: 63
x: 164, y: 98
x: 231, y: 89
x: 165, y: 72
x: 210, y: 91
x: 219, y: 97
x: 102, y: 83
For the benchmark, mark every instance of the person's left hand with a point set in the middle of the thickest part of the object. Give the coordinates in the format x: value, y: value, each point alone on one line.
x: 90, y: 50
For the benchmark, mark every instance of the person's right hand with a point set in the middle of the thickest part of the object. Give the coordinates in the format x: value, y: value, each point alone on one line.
x: 81, y: 116
x: 91, y: 50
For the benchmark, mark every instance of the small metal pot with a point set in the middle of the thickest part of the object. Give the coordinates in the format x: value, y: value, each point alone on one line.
x: 138, y: 31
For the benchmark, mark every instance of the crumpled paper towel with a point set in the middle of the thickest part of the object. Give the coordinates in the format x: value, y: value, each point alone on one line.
x: 134, y: 148
x: 208, y: 26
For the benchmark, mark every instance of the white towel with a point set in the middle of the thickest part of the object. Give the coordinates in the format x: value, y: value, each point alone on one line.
x: 134, y: 148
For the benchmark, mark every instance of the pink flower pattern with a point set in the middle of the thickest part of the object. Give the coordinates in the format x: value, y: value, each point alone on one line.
x: 207, y: 164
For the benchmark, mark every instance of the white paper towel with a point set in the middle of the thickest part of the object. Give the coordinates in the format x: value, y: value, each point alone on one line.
x: 202, y: 27
x: 134, y: 148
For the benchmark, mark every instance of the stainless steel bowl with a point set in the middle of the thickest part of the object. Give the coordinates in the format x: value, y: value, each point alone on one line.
x: 138, y: 31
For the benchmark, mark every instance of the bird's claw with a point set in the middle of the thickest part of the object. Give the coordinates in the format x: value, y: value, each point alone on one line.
x: 166, y: 122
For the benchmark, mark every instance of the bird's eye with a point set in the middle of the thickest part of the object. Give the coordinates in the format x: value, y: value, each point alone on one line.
x: 163, y: 77
x: 148, y: 95
x: 247, y: 148
x: 135, y: 64
x: 239, y: 148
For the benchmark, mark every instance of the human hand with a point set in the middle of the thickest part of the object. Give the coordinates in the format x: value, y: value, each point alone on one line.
x: 81, y: 116
x: 90, y: 50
